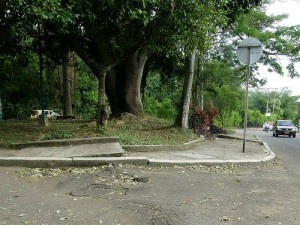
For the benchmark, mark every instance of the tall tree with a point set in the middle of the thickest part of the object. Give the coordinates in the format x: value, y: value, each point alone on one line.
x: 172, y: 25
x: 209, y: 30
x: 187, y: 89
x: 106, y: 33
x: 277, y: 40
x: 68, y: 83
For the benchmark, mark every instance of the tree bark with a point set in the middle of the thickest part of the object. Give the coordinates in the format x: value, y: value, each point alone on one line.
x: 183, y: 114
x: 197, y: 90
x: 134, y: 70
x: 100, y: 69
x: 102, y: 116
x: 114, y: 91
x: 124, y: 85
x: 68, y: 84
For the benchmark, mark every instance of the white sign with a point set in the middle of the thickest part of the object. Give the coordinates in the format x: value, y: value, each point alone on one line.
x: 249, y: 51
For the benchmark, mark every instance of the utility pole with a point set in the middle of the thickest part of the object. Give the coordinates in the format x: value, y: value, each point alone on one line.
x: 268, y: 90
x: 267, y: 110
x: 274, y: 102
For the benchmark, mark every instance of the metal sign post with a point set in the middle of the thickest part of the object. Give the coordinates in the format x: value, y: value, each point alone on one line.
x: 246, y: 105
x: 43, y: 120
x: 0, y: 109
x: 249, y: 51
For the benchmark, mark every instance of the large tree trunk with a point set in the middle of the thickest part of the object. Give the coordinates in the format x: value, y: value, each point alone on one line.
x: 183, y: 114
x: 54, y: 86
x: 123, y: 79
x: 102, y: 116
x: 68, y: 83
x: 115, y: 80
x: 124, y: 85
x: 134, y: 72
x: 197, y: 90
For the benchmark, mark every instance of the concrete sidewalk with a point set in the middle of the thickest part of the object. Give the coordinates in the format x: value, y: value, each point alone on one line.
x: 223, y: 150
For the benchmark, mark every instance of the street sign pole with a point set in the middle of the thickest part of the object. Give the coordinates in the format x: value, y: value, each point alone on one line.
x: 0, y: 109
x: 43, y: 120
x: 249, y: 51
x: 246, y: 105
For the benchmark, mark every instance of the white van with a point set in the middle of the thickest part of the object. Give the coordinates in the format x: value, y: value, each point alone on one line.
x: 47, y: 112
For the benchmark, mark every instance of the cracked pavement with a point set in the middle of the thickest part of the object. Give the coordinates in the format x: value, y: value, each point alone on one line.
x: 127, y: 195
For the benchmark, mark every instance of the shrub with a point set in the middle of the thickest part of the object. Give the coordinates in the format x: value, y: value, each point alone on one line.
x: 202, y: 121
x: 60, y: 134
x: 163, y: 109
x: 228, y: 119
x: 255, y: 118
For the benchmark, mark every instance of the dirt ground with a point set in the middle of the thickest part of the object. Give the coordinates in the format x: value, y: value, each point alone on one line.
x: 128, y: 195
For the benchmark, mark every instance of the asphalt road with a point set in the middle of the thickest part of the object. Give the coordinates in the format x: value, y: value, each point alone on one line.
x: 268, y: 194
x: 286, y: 148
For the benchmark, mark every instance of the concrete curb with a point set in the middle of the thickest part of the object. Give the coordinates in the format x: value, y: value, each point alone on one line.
x: 156, y: 148
x: 238, y: 138
x: 50, y: 162
x: 62, y: 142
x: 34, y: 162
x: 167, y: 163
x: 271, y: 154
x: 171, y: 163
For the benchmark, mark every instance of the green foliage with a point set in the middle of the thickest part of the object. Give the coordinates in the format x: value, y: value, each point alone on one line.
x: 255, y: 118
x: 258, y: 101
x: 222, y: 84
x: 163, y: 109
x: 228, y: 98
x: 15, y: 131
x: 281, y: 104
x: 161, y: 89
x: 18, y: 97
x: 273, y: 117
x: 59, y: 134
x: 160, y: 99
x: 86, y: 95
x: 151, y: 105
x: 222, y: 90
x: 104, y: 32
x: 167, y: 111
x: 277, y: 40
x: 289, y: 105
x: 127, y: 139
x: 229, y: 119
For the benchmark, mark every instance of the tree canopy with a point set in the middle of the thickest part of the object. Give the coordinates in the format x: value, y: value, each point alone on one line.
x: 278, y: 41
x: 116, y: 38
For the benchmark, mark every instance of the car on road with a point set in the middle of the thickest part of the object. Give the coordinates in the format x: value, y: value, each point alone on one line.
x: 284, y: 127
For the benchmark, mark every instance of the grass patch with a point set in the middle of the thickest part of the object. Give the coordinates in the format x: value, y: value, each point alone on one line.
x: 60, y: 134
x: 130, y: 129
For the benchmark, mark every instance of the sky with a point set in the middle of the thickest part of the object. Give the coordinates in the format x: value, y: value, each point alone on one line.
x: 292, y: 8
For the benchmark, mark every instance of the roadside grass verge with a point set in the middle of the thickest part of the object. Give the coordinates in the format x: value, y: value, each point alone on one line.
x: 130, y: 129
